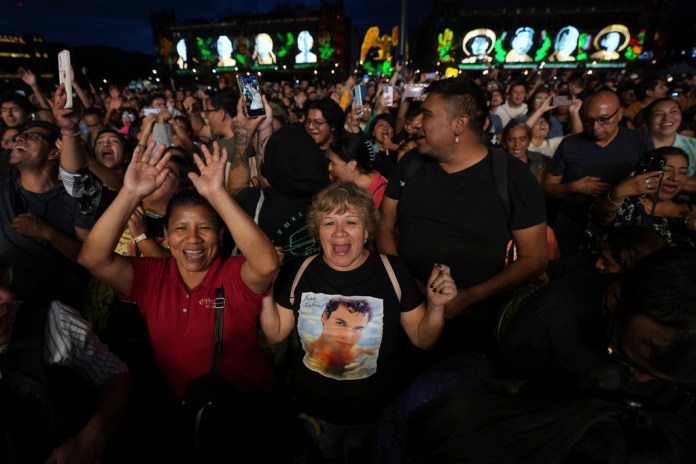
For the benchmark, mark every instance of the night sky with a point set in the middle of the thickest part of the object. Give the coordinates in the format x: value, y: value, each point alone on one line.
x: 125, y: 24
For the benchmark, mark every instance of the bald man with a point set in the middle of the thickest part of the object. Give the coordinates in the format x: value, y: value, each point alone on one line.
x: 587, y: 165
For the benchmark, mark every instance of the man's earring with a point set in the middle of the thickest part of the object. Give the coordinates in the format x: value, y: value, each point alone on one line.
x: 456, y: 138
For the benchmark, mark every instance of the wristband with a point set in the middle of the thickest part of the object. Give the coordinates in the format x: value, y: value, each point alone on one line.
x: 70, y: 134
x: 140, y: 238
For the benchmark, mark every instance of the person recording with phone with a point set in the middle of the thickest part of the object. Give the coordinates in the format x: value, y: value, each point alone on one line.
x: 650, y: 198
x: 540, y: 121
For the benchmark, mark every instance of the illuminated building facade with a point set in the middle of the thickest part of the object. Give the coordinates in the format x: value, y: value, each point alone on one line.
x: 28, y: 51
x: 613, y: 35
x: 298, y: 40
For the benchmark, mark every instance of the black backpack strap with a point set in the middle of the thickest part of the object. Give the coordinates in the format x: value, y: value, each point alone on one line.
x: 219, y: 319
x: 415, y: 161
x: 499, y: 173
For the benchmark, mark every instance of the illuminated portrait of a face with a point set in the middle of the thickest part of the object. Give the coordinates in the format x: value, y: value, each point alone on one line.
x: 522, y: 42
x: 610, y: 41
x: 567, y: 40
x: 477, y: 45
x: 264, y: 49
x: 182, y: 52
x: 224, y: 50
x: 305, y: 42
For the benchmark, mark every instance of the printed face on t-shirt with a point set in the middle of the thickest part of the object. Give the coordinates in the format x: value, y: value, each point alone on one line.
x: 341, y: 336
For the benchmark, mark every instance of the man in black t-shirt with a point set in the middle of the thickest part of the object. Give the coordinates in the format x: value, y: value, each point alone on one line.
x: 586, y: 166
x: 450, y: 211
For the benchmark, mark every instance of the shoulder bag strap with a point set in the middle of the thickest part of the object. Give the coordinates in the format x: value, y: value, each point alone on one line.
x: 219, y: 319
x: 298, y: 276
x: 390, y: 272
x: 259, y: 204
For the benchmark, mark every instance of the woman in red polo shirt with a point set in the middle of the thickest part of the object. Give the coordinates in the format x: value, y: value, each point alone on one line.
x: 176, y: 295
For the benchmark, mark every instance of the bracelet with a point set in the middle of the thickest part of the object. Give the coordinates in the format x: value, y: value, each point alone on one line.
x: 611, y: 200
x: 140, y: 238
x: 72, y: 134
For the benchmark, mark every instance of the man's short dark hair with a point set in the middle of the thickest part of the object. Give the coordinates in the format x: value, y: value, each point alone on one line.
x: 331, y: 111
x: 94, y: 111
x: 157, y: 96
x: 226, y: 101
x: 359, y: 306
x: 647, y: 84
x: 577, y: 81
x: 462, y: 97
x: 19, y: 100
x: 517, y: 84
x: 414, y: 110
x: 54, y: 131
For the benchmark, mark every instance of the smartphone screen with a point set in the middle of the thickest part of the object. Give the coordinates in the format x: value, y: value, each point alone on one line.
x: 561, y: 100
x: 415, y: 91
x: 147, y: 111
x: 251, y: 94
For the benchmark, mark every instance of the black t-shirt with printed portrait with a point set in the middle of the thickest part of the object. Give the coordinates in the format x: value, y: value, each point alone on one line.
x: 359, y: 392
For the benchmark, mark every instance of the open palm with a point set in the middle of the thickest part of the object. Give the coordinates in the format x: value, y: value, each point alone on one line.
x: 146, y: 171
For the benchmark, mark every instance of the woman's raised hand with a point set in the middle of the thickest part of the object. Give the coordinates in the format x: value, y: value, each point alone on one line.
x: 441, y: 287
x: 146, y: 172
x: 212, y: 169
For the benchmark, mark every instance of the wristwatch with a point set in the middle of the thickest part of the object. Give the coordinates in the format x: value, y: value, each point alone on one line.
x: 140, y: 238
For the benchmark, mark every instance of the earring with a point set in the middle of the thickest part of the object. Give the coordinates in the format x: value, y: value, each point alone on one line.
x: 456, y: 138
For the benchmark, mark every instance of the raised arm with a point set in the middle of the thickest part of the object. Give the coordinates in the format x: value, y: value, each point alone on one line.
x: 424, y: 324
x: 575, y: 119
x: 244, y: 129
x: 261, y: 262
x: 276, y: 321
x: 193, y: 110
x: 74, y: 154
x: 30, y: 79
x: 543, y: 108
x: 145, y: 173
x: 605, y: 209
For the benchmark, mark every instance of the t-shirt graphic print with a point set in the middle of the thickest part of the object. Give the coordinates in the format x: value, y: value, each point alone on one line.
x: 341, y: 335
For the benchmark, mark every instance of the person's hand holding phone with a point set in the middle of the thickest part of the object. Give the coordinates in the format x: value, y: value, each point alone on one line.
x: 261, y: 123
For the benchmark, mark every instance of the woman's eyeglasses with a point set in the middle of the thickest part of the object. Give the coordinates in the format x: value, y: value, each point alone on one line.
x: 315, y: 122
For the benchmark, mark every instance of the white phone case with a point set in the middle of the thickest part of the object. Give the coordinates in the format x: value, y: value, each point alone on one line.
x: 64, y: 75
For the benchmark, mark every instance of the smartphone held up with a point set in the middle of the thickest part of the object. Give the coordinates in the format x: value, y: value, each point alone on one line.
x: 65, y: 76
x: 250, y: 90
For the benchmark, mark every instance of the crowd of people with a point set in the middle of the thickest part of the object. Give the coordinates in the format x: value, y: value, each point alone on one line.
x: 500, y: 269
